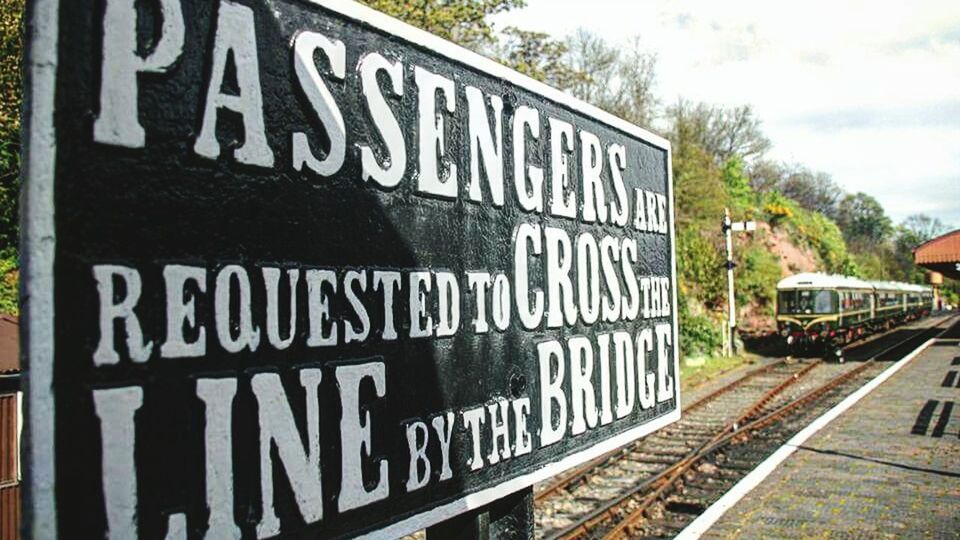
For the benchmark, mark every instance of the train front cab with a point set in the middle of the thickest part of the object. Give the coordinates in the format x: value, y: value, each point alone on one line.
x: 804, y: 315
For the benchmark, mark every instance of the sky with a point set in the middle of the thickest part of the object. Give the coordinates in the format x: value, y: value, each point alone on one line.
x: 866, y: 91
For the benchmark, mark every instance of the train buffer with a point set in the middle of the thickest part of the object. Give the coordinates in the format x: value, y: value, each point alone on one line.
x: 889, y: 466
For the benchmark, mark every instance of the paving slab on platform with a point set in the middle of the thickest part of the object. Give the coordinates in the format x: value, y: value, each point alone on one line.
x: 887, y: 468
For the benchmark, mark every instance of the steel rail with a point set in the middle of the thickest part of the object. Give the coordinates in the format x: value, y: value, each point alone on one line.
x: 746, y: 430
x: 610, y: 508
x: 677, y: 471
x: 580, y: 474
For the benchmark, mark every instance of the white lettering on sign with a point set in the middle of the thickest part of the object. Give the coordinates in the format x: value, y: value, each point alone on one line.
x: 118, y: 122
x: 218, y: 396
x: 355, y: 438
x: 322, y: 101
x: 485, y: 145
x: 181, y: 311
x: 388, y: 172
x: 116, y: 408
x: 597, y: 195
x: 106, y: 353
x: 235, y: 39
x: 527, y: 120
x: 271, y: 281
x: 278, y: 430
x: 438, y: 175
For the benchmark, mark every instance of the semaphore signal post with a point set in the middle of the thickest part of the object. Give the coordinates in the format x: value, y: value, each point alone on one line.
x: 296, y: 268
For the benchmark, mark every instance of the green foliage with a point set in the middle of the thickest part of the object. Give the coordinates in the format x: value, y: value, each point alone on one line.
x: 534, y: 54
x: 758, y: 272
x: 461, y: 21
x: 699, y: 334
x: 950, y: 295
x: 617, y: 79
x: 742, y: 197
x: 892, y: 257
x: 9, y: 277
x: 698, y: 186
x: 699, y: 265
x: 813, y: 230
x: 914, y: 230
x: 538, y: 56
x: 724, y: 133
x: 864, y: 223
x: 11, y: 47
x: 10, y: 98
x: 778, y: 209
x: 815, y: 191
x: 875, y: 265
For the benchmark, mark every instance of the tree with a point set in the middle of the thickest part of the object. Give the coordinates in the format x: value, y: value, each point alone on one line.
x: 766, y: 175
x: 461, y: 21
x: 912, y: 232
x: 921, y: 227
x: 617, y: 80
x: 11, y: 53
x: 699, y: 188
x: 534, y: 54
x: 864, y: 224
x: 742, y: 196
x: 11, y: 48
x: 537, y: 55
x: 722, y: 132
x: 816, y: 192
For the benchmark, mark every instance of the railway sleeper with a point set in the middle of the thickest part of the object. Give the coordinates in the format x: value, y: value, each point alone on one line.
x: 709, y: 476
x: 698, y: 432
x: 685, y: 505
x: 675, y: 443
x: 657, y: 460
x: 706, y: 492
x: 642, y: 467
x: 739, y: 465
x: 598, y: 494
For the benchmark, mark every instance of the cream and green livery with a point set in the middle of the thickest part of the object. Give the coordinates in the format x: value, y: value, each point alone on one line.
x: 833, y: 310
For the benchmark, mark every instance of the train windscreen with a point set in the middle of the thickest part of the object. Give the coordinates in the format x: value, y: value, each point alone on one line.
x: 807, y: 301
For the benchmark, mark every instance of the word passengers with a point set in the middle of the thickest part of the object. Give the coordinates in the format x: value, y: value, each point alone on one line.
x: 343, y: 278
x: 385, y: 161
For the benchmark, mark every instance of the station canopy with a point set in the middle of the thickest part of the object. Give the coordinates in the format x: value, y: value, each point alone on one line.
x: 942, y: 254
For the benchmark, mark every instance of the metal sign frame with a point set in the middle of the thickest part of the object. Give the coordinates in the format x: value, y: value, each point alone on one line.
x: 39, y: 240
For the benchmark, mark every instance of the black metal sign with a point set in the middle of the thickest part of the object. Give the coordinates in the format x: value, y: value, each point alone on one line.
x: 296, y: 268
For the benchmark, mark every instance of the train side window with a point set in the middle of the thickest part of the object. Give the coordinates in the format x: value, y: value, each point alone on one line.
x: 824, y: 302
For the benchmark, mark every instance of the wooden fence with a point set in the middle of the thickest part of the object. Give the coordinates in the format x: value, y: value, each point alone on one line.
x: 9, y: 469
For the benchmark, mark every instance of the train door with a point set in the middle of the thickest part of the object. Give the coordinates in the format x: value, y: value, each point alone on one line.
x: 841, y: 307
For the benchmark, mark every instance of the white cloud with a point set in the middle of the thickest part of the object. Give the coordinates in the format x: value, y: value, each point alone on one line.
x: 864, y: 90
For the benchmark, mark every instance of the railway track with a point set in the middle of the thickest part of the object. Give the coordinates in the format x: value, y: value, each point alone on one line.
x: 656, y: 486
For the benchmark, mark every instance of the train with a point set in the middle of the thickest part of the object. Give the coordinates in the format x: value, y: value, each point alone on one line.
x: 829, y: 311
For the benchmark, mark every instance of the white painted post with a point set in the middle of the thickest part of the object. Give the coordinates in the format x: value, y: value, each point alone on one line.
x: 731, y: 299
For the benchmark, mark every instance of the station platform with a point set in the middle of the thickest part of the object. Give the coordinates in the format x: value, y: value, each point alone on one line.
x: 887, y: 467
